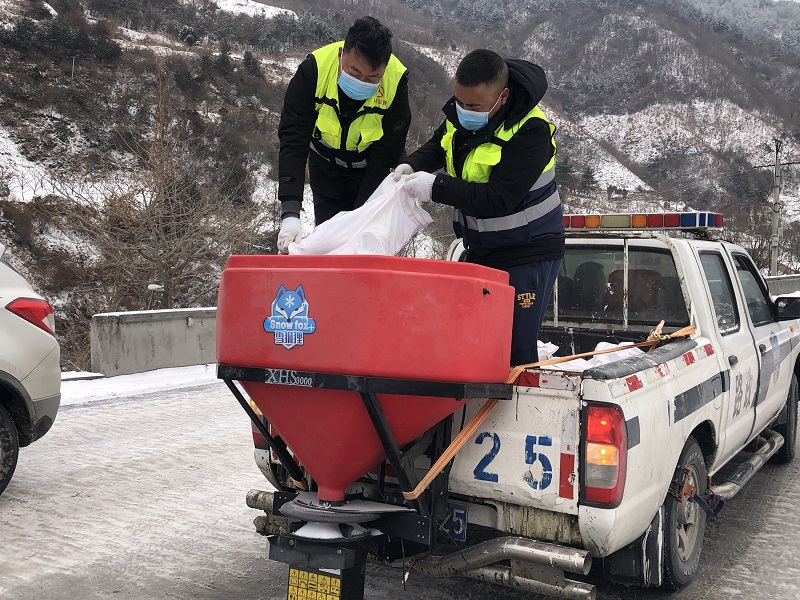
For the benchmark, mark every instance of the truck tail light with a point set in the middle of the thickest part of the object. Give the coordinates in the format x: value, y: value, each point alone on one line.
x: 605, y: 456
x: 35, y: 311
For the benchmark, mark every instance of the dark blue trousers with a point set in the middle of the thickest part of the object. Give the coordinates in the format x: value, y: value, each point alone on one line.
x: 533, y: 284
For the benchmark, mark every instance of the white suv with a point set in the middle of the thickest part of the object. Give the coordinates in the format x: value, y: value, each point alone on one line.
x: 30, y: 372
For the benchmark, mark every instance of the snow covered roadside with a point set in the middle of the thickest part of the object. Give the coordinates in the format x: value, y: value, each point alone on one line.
x: 76, y: 390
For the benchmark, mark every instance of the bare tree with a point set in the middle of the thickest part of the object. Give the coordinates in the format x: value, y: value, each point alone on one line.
x: 750, y: 226
x: 168, y: 223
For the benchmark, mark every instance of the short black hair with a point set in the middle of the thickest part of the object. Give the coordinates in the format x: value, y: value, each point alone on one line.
x: 482, y: 66
x: 371, y: 40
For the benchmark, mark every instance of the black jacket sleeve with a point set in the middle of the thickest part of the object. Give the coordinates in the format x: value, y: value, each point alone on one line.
x: 430, y: 156
x: 524, y: 158
x: 294, y: 131
x: 384, y: 154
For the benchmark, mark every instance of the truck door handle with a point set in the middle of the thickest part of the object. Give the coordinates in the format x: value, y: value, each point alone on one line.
x: 762, y: 348
x: 733, y: 359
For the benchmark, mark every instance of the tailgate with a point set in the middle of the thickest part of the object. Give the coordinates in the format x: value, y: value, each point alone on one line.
x: 526, y: 451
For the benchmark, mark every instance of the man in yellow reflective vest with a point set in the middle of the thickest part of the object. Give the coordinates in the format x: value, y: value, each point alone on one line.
x: 498, y: 151
x: 346, y: 112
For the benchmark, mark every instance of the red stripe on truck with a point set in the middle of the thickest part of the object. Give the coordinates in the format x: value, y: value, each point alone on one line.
x: 526, y: 379
x: 633, y: 383
x: 566, y: 481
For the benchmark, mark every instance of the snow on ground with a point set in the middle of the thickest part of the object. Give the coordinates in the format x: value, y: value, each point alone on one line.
x: 144, y: 35
x: 791, y: 203
x: 159, y: 44
x: 24, y: 178
x: 447, y: 58
x: 79, y: 388
x: 266, y: 188
x: 8, y: 10
x: 281, y: 70
x: 587, y: 150
x: 254, y: 9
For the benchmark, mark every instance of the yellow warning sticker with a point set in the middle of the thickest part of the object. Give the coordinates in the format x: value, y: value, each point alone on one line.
x: 307, y: 585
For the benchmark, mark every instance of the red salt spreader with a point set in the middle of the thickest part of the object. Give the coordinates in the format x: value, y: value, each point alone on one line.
x: 350, y: 359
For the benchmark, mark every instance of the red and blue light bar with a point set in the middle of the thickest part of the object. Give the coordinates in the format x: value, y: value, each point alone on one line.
x: 644, y: 221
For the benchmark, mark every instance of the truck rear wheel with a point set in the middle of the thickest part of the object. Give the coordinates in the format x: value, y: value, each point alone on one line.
x: 9, y: 448
x: 789, y: 429
x: 685, y: 521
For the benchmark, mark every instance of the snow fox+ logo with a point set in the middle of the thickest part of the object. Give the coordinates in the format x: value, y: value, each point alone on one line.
x: 289, y: 319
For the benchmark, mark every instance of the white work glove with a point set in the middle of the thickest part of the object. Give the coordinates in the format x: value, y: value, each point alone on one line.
x: 401, y: 170
x: 420, y: 185
x: 291, y: 231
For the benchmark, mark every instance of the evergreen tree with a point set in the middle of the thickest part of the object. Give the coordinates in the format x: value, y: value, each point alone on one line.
x: 222, y: 62
x: 206, y: 66
x: 251, y: 65
x: 565, y: 174
x: 588, y: 178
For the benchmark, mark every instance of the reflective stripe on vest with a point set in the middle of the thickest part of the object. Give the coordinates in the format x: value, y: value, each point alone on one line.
x: 359, y: 164
x: 525, y: 216
x: 367, y: 127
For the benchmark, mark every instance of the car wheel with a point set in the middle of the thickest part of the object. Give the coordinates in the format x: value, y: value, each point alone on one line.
x: 685, y: 521
x: 9, y: 448
x: 789, y: 429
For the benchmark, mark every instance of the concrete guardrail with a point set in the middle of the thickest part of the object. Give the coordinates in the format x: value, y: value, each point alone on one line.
x: 137, y: 341
x: 783, y: 284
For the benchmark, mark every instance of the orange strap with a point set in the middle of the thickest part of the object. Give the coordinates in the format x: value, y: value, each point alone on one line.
x: 461, y: 439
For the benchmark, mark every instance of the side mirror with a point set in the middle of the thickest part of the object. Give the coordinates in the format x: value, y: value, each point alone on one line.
x: 788, y: 307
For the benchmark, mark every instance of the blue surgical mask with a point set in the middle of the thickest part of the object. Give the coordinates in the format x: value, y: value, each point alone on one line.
x: 355, y: 88
x: 475, y: 120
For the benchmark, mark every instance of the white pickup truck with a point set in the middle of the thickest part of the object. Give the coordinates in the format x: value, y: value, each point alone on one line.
x: 614, y: 461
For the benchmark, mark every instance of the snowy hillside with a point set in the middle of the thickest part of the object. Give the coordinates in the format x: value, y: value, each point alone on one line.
x: 697, y: 130
x: 446, y: 57
x: 251, y: 7
x: 11, y: 8
x: 20, y: 179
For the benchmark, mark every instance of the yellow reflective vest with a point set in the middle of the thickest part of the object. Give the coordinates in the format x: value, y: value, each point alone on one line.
x: 481, y: 159
x: 539, y: 213
x: 368, y: 124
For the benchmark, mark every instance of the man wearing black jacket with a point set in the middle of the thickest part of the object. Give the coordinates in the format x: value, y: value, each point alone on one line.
x: 346, y: 112
x: 498, y: 151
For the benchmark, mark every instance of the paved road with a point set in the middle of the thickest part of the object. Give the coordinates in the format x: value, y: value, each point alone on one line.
x: 143, y: 498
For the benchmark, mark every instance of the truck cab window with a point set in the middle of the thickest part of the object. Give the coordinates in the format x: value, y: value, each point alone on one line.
x: 721, y: 292
x: 591, y: 286
x: 758, y: 304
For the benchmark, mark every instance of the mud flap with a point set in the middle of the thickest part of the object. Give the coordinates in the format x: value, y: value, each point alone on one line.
x: 640, y: 562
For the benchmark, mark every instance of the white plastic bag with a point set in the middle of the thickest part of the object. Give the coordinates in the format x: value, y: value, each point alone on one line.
x: 383, y: 225
x: 581, y: 364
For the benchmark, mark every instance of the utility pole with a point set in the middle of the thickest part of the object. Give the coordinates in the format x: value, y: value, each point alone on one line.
x: 776, y: 211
